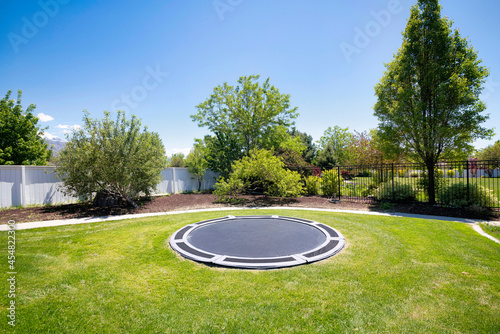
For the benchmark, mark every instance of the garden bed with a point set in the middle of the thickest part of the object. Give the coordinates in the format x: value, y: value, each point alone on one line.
x: 201, y: 201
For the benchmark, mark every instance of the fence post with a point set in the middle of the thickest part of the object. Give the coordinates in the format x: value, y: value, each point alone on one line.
x: 467, y: 167
x: 339, y: 179
x: 23, y: 185
x: 392, y: 176
x: 174, y: 181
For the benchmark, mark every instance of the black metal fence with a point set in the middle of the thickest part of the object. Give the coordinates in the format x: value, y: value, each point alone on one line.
x: 457, y: 183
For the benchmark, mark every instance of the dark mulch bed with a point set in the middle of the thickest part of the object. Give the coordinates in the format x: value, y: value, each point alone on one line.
x: 201, y: 201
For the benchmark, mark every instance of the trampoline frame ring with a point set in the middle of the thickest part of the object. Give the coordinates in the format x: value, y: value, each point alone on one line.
x: 333, y: 244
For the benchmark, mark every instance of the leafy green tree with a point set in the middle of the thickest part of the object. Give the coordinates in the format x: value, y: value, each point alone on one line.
x: 176, y: 160
x: 117, y: 159
x: 362, y: 150
x: 428, y: 98
x: 20, y: 135
x: 334, y: 146
x: 492, y: 152
x: 309, y: 152
x: 196, y: 161
x: 247, y: 115
x: 326, y: 157
x: 294, y: 161
x: 221, y: 151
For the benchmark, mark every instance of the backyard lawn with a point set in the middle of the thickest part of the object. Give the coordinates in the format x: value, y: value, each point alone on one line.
x: 358, y: 186
x: 396, y: 275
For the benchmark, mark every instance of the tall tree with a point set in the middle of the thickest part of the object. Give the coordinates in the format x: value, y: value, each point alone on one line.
x: 221, y: 151
x: 307, y: 140
x: 362, y: 150
x: 334, y: 146
x: 115, y: 159
x: 21, y: 142
x: 428, y: 98
x: 196, y: 161
x: 491, y: 152
x: 248, y: 114
x: 176, y: 160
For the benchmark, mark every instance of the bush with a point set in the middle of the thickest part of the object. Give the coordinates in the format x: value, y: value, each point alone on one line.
x: 346, y: 174
x: 414, y: 174
x: 401, y: 173
x: 354, y: 189
x: 402, y: 193
x: 439, y: 181
x: 259, y: 172
x: 450, y: 173
x: 330, y: 182
x: 312, y: 185
x: 115, y: 159
x: 455, y: 195
x: 365, y: 173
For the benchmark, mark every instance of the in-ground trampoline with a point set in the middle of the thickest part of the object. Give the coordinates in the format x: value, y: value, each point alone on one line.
x: 257, y: 242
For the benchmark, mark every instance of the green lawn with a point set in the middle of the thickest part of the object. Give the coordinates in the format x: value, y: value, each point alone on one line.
x: 396, y: 275
x: 358, y: 185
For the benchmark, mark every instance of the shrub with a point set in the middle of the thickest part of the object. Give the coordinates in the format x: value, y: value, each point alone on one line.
x: 364, y: 173
x: 439, y: 181
x: 414, y: 174
x: 401, y: 173
x: 357, y: 189
x: 455, y: 195
x: 330, y: 182
x: 450, y: 173
x: 115, y: 159
x: 259, y: 172
x: 402, y: 192
x: 312, y: 185
x: 346, y: 174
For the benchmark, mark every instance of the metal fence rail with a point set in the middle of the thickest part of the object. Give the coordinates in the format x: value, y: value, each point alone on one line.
x: 456, y: 183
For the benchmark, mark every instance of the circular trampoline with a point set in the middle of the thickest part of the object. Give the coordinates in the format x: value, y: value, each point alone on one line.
x: 257, y: 242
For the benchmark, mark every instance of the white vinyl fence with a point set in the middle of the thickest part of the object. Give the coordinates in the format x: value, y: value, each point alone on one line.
x: 37, y: 185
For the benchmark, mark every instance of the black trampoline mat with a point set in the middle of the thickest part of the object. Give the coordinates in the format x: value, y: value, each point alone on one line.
x: 256, y: 237
x: 259, y: 242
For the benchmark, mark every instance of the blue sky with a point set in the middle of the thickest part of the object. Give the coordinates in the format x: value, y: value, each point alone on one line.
x: 159, y: 59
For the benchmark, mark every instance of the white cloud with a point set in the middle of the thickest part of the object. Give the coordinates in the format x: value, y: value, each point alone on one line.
x: 50, y: 136
x: 68, y: 128
x: 44, y: 118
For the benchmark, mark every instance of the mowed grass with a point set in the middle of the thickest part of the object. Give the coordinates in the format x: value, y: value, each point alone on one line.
x: 396, y: 275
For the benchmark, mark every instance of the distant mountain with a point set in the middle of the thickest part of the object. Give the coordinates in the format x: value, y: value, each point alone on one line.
x: 58, y: 145
x: 55, y: 143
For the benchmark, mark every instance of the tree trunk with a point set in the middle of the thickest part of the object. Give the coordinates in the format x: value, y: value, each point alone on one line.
x: 131, y: 202
x: 431, y: 191
x: 199, y: 185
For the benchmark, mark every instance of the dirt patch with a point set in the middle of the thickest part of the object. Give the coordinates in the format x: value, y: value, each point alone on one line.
x: 202, y: 201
